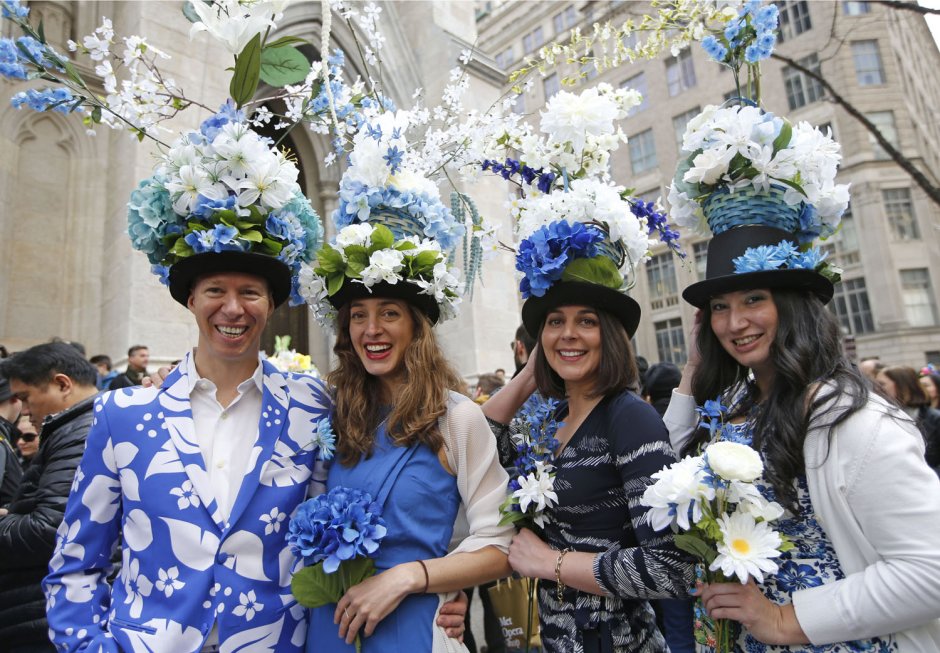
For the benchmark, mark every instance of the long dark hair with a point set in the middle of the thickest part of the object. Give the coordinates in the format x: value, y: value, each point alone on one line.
x: 616, y: 371
x: 806, y: 350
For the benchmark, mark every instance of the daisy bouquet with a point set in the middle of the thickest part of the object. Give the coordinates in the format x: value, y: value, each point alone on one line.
x: 720, y: 515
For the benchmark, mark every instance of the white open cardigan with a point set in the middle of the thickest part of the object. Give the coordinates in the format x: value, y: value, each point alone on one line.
x: 879, y: 503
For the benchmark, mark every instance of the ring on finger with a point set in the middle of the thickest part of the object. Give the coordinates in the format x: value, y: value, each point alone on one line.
x: 346, y: 612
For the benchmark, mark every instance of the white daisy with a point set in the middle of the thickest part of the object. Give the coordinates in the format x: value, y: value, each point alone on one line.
x: 747, y: 547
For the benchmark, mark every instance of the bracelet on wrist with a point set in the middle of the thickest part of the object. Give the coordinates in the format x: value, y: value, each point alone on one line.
x: 427, y: 578
x: 559, y: 585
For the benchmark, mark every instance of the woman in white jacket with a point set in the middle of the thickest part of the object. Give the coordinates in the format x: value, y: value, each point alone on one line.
x: 863, y: 508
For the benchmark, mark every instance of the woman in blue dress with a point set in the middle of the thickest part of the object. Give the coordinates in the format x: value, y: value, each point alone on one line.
x: 423, y: 452
x: 862, y: 506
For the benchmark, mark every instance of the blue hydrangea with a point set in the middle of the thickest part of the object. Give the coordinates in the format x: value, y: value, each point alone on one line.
x: 302, y: 214
x: 337, y: 526
x: 13, y: 9
x: 544, y: 255
x: 218, y: 239
x: 162, y: 272
x: 732, y: 29
x: 149, y: 218
x: 60, y: 99
x: 227, y: 113
x: 206, y: 207
x: 337, y: 59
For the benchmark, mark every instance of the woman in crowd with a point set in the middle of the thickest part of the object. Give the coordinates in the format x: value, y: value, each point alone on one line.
x: 930, y: 382
x: 424, y: 452
x: 901, y: 384
x: 28, y: 442
x: 598, y: 561
x: 863, y: 508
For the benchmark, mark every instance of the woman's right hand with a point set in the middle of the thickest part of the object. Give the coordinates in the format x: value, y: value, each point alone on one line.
x: 694, y: 356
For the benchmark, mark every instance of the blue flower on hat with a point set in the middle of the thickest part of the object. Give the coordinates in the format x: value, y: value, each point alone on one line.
x: 543, y: 256
x: 149, y: 214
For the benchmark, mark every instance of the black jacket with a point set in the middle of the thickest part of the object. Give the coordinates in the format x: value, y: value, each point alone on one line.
x: 928, y: 419
x: 11, y: 473
x: 28, y: 533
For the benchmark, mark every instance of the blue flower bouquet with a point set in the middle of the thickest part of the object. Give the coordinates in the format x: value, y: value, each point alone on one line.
x: 337, y: 534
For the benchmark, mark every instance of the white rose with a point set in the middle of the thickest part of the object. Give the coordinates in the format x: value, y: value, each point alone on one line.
x: 734, y: 462
x: 355, y: 234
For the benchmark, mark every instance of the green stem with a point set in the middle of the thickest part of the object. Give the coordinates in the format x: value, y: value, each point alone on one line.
x: 530, y: 613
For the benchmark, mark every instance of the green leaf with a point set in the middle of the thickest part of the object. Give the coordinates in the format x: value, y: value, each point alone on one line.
x: 511, y: 518
x: 273, y: 246
x: 96, y: 114
x: 405, y: 245
x: 600, y: 270
x: 783, y: 138
x: 190, y: 13
x: 26, y: 53
x: 684, y: 165
x: 334, y: 282
x: 792, y: 184
x: 425, y: 260
x: 73, y: 74
x: 286, y: 40
x: 357, y: 257
x: 354, y: 269
x: 382, y: 238
x: 247, y: 72
x: 330, y: 260
x: 251, y: 236
x: 181, y: 248
x: 283, y: 65
x: 696, y: 546
x: 314, y: 588
x: 42, y: 32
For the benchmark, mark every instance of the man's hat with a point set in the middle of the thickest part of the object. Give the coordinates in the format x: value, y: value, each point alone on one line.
x: 201, y: 213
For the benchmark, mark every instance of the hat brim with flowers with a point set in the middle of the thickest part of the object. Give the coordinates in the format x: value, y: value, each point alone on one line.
x: 224, y: 199
x: 394, y: 238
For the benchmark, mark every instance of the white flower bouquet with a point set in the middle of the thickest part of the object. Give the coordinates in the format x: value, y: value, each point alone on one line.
x: 286, y: 359
x: 719, y: 513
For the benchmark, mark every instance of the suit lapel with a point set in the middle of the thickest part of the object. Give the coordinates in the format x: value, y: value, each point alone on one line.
x: 270, y: 428
x: 178, y: 417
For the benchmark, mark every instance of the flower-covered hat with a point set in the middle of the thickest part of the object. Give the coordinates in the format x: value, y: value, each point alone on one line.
x: 394, y: 234
x: 582, y: 237
x: 224, y: 199
x: 764, y: 188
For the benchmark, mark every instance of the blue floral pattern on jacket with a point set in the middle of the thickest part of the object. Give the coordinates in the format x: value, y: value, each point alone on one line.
x: 184, y: 569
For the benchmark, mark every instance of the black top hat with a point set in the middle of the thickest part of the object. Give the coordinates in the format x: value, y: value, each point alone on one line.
x: 402, y: 290
x: 569, y: 293
x: 721, y: 277
x: 185, y: 272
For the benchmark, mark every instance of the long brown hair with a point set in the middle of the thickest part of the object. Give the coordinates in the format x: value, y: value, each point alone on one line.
x: 422, y: 400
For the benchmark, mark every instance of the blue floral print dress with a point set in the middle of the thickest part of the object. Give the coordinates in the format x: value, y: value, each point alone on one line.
x: 812, y: 562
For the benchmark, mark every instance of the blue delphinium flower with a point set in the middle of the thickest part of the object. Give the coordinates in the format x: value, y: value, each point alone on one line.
x: 756, y: 259
x: 149, y: 216
x: 324, y: 439
x: 710, y: 415
x: 539, y: 445
x: 714, y: 48
x: 337, y: 526
x: 60, y: 98
x: 732, y: 29
x: 546, y: 179
x: 13, y: 8
x: 337, y: 59
x: 656, y: 222
x: 393, y: 158
x: 10, y: 64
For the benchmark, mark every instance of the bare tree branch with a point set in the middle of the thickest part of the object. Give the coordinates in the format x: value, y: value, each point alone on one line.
x: 933, y: 192
x: 907, y: 6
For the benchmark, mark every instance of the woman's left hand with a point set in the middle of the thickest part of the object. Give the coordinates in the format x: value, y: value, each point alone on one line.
x: 531, y: 557
x: 364, y: 605
x: 765, y: 621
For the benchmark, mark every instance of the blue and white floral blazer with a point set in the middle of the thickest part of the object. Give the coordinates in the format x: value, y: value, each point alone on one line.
x: 143, y: 477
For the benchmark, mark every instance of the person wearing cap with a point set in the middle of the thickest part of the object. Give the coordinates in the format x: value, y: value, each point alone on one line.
x: 862, y: 508
x: 10, y: 407
x: 422, y: 451
x: 196, y: 477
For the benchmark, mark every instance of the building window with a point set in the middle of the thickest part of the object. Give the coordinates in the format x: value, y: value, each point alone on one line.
x: 670, y: 341
x: 552, y: 85
x: 661, y: 275
x: 565, y: 20
x: 855, y: 7
x: 680, y: 73
x: 700, y: 254
x: 679, y: 122
x: 505, y: 59
x: 794, y: 19
x: 802, y: 89
x: 637, y: 83
x: 867, y: 58
x: 900, y: 211
x: 919, y: 306
x: 932, y: 357
x: 533, y: 41
x: 850, y: 305
x: 884, y: 121
x: 643, y: 152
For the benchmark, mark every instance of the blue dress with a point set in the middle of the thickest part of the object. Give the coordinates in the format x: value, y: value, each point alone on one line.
x: 812, y: 562
x: 420, y: 502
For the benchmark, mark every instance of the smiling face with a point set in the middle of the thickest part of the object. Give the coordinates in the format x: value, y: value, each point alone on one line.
x: 231, y: 310
x: 928, y: 385
x: 571, y: 340
x: 745, y: 323
x: 381, y: 331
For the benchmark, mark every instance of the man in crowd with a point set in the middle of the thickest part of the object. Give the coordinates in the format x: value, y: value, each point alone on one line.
x: 137, y: 358
x: 870, y: 367
x: 106, y: 375
x: 10, y: 470
x: 56, y: 386
x: 522, y: 346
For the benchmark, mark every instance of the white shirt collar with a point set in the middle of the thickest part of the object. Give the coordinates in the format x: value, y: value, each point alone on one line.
x: 195, y: 381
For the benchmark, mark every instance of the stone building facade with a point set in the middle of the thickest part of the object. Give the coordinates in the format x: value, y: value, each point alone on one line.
x: 883, y: 61
x: 67, y: 266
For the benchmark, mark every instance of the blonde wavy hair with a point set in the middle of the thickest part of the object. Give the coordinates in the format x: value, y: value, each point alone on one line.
x: 415, y: 411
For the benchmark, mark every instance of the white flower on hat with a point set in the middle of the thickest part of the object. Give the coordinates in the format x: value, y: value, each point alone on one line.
x: 747, y: 547
x: 571, y: 118
x: 384, y: 265
x: 734, y: 461
x: 355, y: 234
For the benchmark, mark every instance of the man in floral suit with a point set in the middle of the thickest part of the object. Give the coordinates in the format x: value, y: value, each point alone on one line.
x: 199, y: 477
